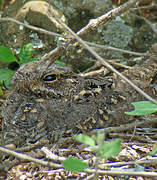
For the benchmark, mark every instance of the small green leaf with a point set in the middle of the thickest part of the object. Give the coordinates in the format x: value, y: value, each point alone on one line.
x: 60, y: 63
x: 1, y: 92
x: 143, y: 108
x: 7, y: 83
x: 26, y: 54
x: 100, y: 138
x: 85, y: 139
x: 5, y: 76
x: 154, y: 151
x: 109, y: 149
x: 6, y: 55
x: 74, y: 164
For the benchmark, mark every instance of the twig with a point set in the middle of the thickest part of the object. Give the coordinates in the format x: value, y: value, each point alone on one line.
x: 118, y: 64
x: 114, y: 62
x: 28, y: 158
x: 55, y: 53
x: 105, y: 63
x: 95, y: 23
x: 152, y: 161
x: 126, y: 173
x: 40, y: 143
x: 145, y: 7
x: 122, y: 51
x: 126, y: 127
x: 40, y: 30
x: 90, y: 177
x: 53, y: 165
x: 129, y: 137
x: 51, y: 155
x: 94, y: 73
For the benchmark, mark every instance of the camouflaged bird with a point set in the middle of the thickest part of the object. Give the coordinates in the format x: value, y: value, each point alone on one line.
x: 49, y: 100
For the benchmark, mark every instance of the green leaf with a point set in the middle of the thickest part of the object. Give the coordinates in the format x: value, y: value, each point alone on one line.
x: 6, y: 75
x: 143, y: 108
x: 7, y: 83
x: 60, y: 63
x: 1, y: 3
x: 100, y: 138
x: 109, y: 149
x: 6, y: 55
x: 26, y: 54
x: 74, y: 164
x: 85, y: 139
x: 1, y: 92
x: 154, y: 151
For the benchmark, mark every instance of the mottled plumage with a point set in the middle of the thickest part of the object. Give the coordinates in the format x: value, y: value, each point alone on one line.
x: 49, y: 101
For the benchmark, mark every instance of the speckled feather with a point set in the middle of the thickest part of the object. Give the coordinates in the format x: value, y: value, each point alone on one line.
x: 41, y: 109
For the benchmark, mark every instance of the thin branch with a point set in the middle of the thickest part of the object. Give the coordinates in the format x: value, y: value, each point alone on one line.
x: 148, y: 7
x: 126, y: 127
x: 38, y: 144
x: 95, y: 23
x: 40, y: 30
x: 126, y: 173
x: 152, y: 161
x: 28, y: 158
x: 105, y: 63
x: 98, y: 65
x: 94, y: 73
x: 102, y: 172
x: 52, y: 156
x: 122, y: 51
x: 118, y: 65
x: 53, y: 165
x: 129, y: 137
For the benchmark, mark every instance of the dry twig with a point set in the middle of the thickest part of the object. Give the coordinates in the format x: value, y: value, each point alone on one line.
x: 105, y: 63
x: 93, y: 24
x: 91, y: 171
x: 28, y: 158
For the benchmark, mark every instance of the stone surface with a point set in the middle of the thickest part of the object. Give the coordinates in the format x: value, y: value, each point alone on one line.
x: 36, y: 13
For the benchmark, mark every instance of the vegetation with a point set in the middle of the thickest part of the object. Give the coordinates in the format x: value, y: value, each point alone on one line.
x: 103, y: 151
x: 133, y: 29
x: 143, y: 108
x: 6, y: 55
x: 25, y: 56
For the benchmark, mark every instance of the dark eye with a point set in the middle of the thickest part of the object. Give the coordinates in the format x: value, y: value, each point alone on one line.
x: 50, y: 78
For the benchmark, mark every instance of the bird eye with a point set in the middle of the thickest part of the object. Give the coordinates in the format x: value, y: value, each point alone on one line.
x: 50, y: 78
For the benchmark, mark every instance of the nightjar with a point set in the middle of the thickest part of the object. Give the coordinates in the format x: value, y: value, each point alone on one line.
x: 49, y: 101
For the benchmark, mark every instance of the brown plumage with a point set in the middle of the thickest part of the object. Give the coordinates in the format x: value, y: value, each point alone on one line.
x: 49, y: 101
